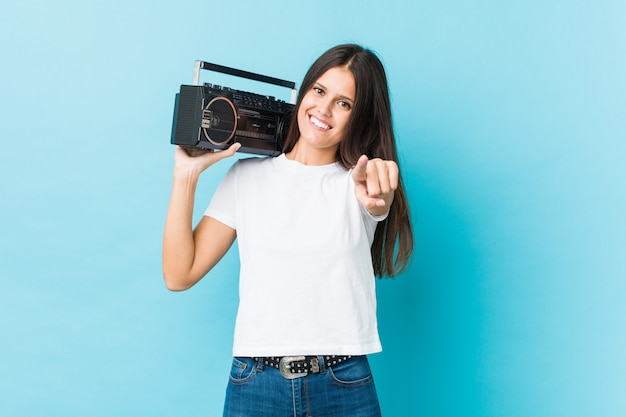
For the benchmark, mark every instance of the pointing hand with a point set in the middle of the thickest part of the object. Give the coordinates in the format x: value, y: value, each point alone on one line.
x: 375, y: 181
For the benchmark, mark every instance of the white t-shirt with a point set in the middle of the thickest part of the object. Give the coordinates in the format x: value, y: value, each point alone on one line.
x: 307, y: 284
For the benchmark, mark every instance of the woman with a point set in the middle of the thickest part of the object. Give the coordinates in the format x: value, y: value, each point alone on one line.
x: 314, y: 225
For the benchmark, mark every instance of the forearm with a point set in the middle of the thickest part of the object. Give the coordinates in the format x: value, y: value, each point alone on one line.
x: 178, y: 239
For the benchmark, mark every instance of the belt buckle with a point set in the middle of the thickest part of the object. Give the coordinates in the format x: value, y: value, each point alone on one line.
x: 285, y: 366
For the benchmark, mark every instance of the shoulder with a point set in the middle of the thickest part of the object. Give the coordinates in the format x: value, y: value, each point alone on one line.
x: 251, y: 164
x: 252, y: 161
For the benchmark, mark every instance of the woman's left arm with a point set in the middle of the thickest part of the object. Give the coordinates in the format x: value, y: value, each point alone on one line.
x: 375, y: 182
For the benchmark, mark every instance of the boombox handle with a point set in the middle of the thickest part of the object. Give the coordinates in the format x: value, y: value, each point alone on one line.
x: 243, y: 74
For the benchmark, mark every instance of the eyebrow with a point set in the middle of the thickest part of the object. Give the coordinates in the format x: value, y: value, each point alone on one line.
x: 340, y: 96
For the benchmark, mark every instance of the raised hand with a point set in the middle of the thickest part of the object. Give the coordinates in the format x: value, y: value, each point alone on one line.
x: 375, y: 181
x: 188, y: 256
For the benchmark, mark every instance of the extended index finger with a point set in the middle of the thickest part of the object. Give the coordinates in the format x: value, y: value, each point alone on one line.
x: 359, y: 172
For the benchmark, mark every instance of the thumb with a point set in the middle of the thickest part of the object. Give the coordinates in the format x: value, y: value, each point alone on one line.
x: 230, y: 151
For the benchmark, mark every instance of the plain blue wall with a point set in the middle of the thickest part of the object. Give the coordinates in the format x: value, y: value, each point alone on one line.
x: 510, y: 120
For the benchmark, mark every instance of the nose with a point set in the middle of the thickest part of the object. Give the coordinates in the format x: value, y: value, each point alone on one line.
x: 324, y: 107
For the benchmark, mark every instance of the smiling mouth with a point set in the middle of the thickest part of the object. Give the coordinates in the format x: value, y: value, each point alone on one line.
x: 318, y: 123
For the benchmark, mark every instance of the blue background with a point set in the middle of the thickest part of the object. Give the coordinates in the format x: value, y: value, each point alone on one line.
x: 510, y: 122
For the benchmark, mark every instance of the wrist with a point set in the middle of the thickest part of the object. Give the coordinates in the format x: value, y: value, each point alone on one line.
x: 186, y: 173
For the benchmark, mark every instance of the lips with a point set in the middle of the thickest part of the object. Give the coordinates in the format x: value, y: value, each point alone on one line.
x: 318, y: 123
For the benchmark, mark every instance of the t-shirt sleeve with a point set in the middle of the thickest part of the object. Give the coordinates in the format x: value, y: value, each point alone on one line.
x: 223, y: 203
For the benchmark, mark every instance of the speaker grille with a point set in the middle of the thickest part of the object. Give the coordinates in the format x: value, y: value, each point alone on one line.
x: 219, y: 121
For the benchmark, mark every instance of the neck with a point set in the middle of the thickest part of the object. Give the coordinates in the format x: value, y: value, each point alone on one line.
x: 312, y: 156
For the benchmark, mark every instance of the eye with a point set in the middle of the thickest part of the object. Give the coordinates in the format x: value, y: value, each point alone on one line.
x: 344, y: 104
x: 318, y: 90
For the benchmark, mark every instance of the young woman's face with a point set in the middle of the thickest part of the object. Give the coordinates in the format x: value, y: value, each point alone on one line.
x: 325, y: 110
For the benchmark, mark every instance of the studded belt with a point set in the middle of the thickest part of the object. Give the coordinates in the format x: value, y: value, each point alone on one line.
x: 292, y: 367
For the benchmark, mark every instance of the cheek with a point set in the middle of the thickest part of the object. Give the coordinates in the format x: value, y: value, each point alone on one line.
x: 345, y: 119
x: 301, y: 117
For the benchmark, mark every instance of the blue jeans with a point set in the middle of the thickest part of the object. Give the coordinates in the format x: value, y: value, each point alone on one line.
x: 346, y: 389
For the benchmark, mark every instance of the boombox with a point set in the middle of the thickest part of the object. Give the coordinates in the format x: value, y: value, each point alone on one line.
x: 214, y: 117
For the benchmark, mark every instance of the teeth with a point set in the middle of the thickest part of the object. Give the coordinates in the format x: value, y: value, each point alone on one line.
x: 319, y: 123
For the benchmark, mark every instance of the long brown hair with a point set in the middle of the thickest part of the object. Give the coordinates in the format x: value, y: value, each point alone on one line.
x: 369, y: 132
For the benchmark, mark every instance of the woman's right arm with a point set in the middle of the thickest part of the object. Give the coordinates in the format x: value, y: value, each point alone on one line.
x: 189, y: 254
